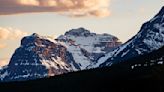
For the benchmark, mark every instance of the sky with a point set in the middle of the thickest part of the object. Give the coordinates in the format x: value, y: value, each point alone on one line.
x: 121, y: 18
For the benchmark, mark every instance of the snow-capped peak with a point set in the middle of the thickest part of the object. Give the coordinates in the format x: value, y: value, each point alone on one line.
x: 148, y: 39
x: 35, y: 35
x: 37, y: 57
x: 78, y: 32
x: 87, y: 46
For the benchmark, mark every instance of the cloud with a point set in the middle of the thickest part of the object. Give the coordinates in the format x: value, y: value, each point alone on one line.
x: 100, y: 13
x: 11, y: 33
x: 2, y: 45
x: 4, y: 62
x: 76, y: 8
x: 8, y: 34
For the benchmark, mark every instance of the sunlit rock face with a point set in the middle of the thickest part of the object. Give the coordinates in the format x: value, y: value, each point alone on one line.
x: 37, y: 57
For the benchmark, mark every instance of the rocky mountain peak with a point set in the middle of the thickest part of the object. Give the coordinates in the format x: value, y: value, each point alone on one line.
x: 152, y: 32
x: 30, y: 39
x: 78, y: 32
x: 37, y: 57
x: 161, y: 12
x: 87, y: 46
x: 149, y: 38
x: 35, y: 35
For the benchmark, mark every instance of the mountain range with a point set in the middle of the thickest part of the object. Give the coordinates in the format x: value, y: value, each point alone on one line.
x: 41, y: 56
x: 141, y: 73
x: 79, y: 49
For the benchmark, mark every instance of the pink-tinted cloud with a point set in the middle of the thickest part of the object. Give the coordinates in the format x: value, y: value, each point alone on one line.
x: 8, y: 34
x: 2, y: 45
x: 11, y: 33
x: 98, y: 8
x: 4, y: 62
